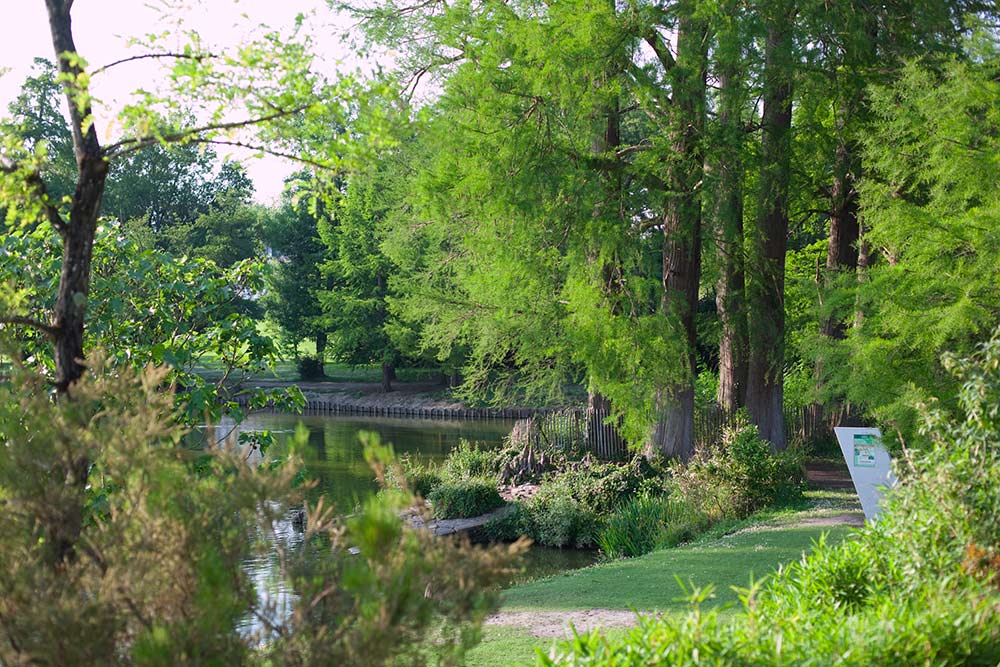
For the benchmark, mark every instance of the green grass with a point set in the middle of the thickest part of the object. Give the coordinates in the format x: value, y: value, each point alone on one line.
x: 651, y: 581
x: 505, y: 646
x: 657, y: 581
x: 287, y: 371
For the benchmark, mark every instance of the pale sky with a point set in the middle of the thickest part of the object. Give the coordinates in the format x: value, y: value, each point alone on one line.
x: 101, y: 29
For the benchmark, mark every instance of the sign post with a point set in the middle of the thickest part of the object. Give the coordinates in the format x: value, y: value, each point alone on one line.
x: 869, y: 464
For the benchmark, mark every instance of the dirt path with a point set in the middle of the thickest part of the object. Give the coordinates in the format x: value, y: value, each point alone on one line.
x: 557, y: 623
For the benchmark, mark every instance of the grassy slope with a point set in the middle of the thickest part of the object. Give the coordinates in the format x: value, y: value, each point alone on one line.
x: 651, y: 582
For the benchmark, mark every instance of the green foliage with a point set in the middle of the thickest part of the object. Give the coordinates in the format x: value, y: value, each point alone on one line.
x: 413, y: 477
x: 917, y: 587
x: 931, y: 205
x: 634, y: 528
x: 572, y: 503
x: 149, y: 307
x: 740, y: 475
x: 650, y: 522
x: 310, y: 368
x: 228, y: 230
x: 290, y: 231
x: 558, y: 521
x: 464, y: 498
x: 357, y: 272
x: 132, y: 549
x: 602, y: 487
x: 469, y: 460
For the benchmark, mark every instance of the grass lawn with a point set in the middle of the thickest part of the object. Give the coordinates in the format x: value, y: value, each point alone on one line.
x: 649, y: 583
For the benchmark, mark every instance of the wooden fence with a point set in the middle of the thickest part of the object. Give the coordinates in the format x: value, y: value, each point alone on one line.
x: 595, y: 432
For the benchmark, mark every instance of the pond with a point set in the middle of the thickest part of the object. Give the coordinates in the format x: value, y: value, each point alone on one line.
x: 334, y: 458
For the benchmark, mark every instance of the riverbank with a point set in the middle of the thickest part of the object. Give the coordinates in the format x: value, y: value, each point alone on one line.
x: 607, y: 595
x: 417, y: 400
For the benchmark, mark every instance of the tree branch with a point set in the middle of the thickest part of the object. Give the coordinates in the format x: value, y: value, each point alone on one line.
x: 662, y: 51
x: 145, y: 56
x: 34, y: 182
x: 129, y: 145
x: 48, y: 330
x: 269, y: 151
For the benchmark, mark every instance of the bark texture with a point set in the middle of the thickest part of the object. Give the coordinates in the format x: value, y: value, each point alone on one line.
x: 730, y: 297
x: 78, y: 232
x: 765, y: 389
x: 673, y: 434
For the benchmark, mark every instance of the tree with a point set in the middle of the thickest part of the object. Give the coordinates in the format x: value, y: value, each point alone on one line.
x: 228, y: 230
x: 682, y: 221
x: 295, y: 283
x: 357, y: 274
x: 765, y: 369
x: 551, y: 220
x: 726, y: 172
x: 929, y: 202
x: 286, y: 102
x: 36, y: 117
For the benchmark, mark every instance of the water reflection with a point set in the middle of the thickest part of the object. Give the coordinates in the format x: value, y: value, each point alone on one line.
x: 334, y: 458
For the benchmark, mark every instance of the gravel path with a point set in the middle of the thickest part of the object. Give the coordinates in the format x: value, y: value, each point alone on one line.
x: 557, y: 623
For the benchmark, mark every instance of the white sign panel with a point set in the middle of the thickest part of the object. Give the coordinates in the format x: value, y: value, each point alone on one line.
x: 869, y: 463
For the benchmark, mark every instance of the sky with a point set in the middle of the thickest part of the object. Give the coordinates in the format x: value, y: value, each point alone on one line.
x: 102, y: 27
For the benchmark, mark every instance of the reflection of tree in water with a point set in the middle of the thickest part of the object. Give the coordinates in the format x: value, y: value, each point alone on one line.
x: 317, y: 442
x: 334, y: 456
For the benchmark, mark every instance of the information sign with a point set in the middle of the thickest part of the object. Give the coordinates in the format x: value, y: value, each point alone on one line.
x: 869, y: 464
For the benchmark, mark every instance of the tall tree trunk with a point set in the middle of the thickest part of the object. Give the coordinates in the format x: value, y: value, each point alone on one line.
x: 78, y: 233
x: 865, y: 259
x: 766, y: 291
x: 69, y: 314
x: 673, y: 435
x: 388, y: 373
x: 842, y: 245
x: 729, y: 290
x: 321, y: 340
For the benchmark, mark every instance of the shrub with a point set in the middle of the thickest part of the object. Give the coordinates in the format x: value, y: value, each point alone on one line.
x: 602, y: 487
x: 554, y: 521
x: 465, y: 498
x: 120, y: 546
x: 635, y: 527
x: 560, y: 521
x: 470, y: 461
x: 918, y: 587
x: 311, y: 368
x: 740, y: 475
x: 509, y: 525
x: 420, y: 479
x: 649, y: 522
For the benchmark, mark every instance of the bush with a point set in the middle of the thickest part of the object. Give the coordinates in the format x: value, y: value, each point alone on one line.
x: 634, y: 528
x: 120, y: 546
x: 311, y: 368
x: 649, y: 522
x: 740, y: 475
x: 560, y: 521
x: 554, y: 521
x: 508, y: 526
x: 602, y: 487
x: 918, y: 587
x: 465, y: 498
x: 469, y: 461
x: 413, y: 477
